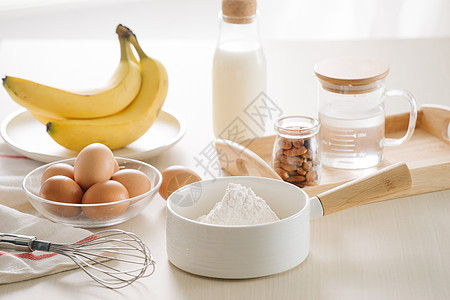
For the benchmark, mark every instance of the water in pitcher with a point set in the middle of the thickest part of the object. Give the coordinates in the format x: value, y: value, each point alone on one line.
x: 352, y: 143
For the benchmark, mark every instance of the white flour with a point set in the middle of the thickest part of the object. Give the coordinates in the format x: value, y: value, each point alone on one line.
x: 239, y: 206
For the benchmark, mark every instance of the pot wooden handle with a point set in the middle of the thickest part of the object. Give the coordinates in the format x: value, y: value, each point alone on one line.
x: 366, y: 189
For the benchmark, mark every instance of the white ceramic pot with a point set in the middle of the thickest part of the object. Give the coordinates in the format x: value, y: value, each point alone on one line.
x: 258, y: 250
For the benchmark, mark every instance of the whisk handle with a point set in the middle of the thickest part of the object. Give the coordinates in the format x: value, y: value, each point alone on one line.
x: 16, y: 242
x: 20, y: 242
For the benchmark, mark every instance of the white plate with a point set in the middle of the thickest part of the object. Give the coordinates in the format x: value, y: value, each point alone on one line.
x: 28, y: 137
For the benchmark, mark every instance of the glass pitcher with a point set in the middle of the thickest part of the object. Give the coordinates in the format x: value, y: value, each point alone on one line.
x: 351, y: 96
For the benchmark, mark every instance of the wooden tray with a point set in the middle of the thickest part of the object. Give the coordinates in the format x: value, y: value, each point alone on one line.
x: 427, y: 153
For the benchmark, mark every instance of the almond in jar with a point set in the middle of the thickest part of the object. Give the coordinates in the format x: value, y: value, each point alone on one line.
x: 296, y: 150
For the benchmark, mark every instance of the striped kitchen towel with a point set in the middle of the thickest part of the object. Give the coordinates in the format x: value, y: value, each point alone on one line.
x: 18, y: 266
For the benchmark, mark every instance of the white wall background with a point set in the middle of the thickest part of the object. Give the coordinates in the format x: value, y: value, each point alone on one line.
x: 283, y: 19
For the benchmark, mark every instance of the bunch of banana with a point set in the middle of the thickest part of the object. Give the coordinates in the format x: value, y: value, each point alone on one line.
x: 117, y: 127
x: 112, y: 98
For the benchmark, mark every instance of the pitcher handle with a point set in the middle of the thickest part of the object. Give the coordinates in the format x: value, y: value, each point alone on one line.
x: 412, y: 117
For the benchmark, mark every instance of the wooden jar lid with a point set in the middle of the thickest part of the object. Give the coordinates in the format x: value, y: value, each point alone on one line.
x: 238, y: 11
x: 351, y: 71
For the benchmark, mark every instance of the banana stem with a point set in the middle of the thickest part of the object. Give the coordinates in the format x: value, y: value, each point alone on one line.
x: 133, y: 40
x: 130, y: 52
x: 123, y: 48
x: 124, y: 31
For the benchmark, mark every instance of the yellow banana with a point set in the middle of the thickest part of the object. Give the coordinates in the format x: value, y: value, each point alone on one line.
x: 47, y: 117
x: 112, y: 98
x: 44, y: 119
x: 122, y: 128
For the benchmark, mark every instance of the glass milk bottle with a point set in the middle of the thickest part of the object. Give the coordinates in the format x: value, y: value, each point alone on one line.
x: 239, y: 71
x: 351, y: 96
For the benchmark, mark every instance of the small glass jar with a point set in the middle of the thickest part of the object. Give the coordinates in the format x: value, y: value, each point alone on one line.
x: 296, y: 156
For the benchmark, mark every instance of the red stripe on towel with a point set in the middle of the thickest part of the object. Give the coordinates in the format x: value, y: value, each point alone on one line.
x: 88, y: 239
x: 30, y: 256
x: 13, y: 156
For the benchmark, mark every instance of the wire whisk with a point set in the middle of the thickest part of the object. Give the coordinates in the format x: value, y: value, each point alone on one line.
x: 114, y: 258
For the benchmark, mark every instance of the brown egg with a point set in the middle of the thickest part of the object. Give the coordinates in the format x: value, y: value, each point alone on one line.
x: 95, y: 163
x: 175, y: 177
x: 105, y: 192
x: 116, y: 166
x: 57, y: 169
x: 135, y: 181
x: 61, y: 188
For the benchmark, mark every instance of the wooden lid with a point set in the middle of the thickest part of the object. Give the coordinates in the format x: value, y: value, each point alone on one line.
x: 351, y: 70
x: 238, y: 11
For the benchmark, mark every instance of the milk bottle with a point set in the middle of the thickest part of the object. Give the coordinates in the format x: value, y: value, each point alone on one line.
x: 239, y: 71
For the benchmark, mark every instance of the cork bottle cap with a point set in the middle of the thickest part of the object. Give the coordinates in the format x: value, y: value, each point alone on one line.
x: 238, y: 11
x: 350, y: 74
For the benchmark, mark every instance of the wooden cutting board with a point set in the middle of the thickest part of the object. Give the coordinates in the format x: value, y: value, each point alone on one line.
x: 427, y: 153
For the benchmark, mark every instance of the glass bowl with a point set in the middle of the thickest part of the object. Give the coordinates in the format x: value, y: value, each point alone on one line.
x: 49, y: 209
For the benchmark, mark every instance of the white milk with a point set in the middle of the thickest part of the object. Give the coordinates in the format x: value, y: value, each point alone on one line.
x: 239, y: 76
